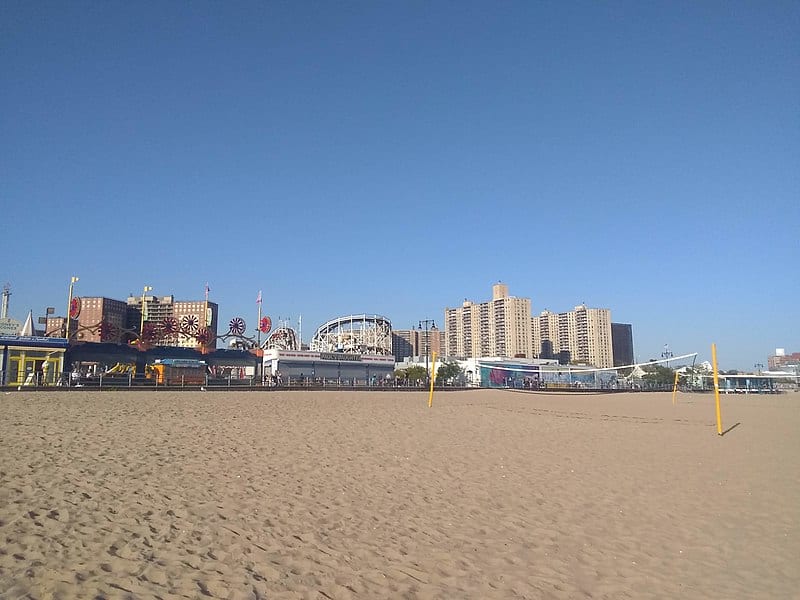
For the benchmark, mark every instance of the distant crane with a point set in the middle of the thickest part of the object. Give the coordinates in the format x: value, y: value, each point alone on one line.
x: 6, y: 295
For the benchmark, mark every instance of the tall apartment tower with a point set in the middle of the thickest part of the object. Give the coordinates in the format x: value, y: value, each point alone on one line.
x: 462, y: 331
x: 545, y: 335
x: 584, y: 332
x: 594, y: 336
x: 413, y: 342
x: 501, y: 327
x: 622, y: 343
x: 403, y: 343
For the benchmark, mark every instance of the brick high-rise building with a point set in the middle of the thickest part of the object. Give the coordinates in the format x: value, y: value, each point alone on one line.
x: 403, y: 343
x: 782, y: 361
x: 408, y: 343
x: 98, y: 316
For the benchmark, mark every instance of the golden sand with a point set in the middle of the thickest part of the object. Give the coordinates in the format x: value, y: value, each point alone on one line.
x: 489, y: 494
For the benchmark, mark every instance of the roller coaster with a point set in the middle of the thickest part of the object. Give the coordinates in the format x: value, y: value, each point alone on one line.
x: 355, y: 334
x: 282, y: 338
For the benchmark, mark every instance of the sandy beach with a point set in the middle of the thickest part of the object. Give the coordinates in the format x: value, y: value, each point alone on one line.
x: 489, y: 494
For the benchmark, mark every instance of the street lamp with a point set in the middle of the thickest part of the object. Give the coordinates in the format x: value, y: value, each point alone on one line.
x: 146, y: 289
x: 666, y: 354
x: 425, y: 323
x: 72, y: 282
x: 759, y: 366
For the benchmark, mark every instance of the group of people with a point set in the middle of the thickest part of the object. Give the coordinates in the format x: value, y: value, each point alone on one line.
x: 274, y: 379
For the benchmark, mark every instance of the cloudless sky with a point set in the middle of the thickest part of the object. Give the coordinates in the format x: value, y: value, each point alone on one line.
x: 395, y: 158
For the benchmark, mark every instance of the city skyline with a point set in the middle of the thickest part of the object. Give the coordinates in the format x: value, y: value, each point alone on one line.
x: 222, y: 329
x: 398, y: 159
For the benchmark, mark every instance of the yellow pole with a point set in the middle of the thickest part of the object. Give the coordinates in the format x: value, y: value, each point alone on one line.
x: 69, y: 305
x: 716, y: 387
x: 675, y: 388
x: 258, y: 322
x: 433, y: 377
x: 146, y: 289
x: 206, y: 320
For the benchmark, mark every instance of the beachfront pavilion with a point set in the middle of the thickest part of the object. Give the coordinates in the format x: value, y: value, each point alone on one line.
x: 31, y: 360
x: 98, y: 357
x: 327, y: 367
x: 764, y: 383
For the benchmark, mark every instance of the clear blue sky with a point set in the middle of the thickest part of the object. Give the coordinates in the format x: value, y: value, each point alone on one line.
x: 398, y: 157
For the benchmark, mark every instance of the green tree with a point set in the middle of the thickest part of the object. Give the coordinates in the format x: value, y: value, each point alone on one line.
x: 658, y: 374
x: 449, y: 372
x: 414, y: 373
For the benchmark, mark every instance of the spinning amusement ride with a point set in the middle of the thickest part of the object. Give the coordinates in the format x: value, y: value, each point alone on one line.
x: 169, y: 331
x: 354, y: 334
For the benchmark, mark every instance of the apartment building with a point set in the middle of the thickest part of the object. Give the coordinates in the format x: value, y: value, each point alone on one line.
x: 102, y: 319
x: 500, y: 327
x: 544, y: 329
x: 594, y: 336
x: 782, y: 361
x: 188, y: 312
x: 462, y: 330
x: 407, y: 343
x: 622, y: 344
x: 188, y: 319
x: 99, y: 320
x: 583, y: 332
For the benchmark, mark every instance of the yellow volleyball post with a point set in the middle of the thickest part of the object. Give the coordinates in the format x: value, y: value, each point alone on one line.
x: 716, y: 387
x: 433, y: 377
x: 675, y: 388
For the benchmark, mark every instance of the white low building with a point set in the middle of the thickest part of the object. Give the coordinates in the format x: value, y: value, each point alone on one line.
x: 327, y: 367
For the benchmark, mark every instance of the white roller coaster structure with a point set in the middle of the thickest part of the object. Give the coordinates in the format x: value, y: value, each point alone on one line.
x: 357, y: 334
x: 282, y: 338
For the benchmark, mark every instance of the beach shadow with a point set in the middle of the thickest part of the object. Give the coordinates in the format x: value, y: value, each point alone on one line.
x: 731, y: 428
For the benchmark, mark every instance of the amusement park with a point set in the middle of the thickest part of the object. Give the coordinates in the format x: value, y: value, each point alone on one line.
x: 157, y: 342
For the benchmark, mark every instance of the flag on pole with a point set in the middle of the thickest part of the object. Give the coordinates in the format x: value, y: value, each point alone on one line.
x: 258, y: 299
x: 208, y: 289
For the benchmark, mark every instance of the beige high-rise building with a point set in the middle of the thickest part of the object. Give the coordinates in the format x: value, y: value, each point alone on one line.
x: 462, y: 330
x: 501, y: 327
x: 584, y: 332
x: 545, y: 335
x: 193, y: 310
x: 595, y: 346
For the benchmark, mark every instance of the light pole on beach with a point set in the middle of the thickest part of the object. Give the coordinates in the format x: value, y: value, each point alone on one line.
x: 146, y: 289
x: 666, y: 354
x: 73, y: 280
x: 425, y: 323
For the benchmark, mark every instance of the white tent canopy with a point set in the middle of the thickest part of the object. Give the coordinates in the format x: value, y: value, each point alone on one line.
x: 28, y: 328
